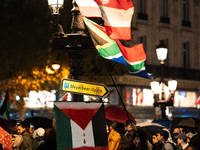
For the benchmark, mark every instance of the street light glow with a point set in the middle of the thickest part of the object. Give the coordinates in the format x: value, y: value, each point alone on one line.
x: 161, y: 54
x: 155, y: 87
x: 55, y: 66
x: 172, y: 84
x: 56, y: 4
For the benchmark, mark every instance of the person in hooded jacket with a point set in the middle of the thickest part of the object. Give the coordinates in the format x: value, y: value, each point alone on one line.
x: 49, y: 140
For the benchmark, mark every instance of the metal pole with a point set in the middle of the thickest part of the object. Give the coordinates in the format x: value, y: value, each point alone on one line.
x: 163, y: 106
x: 116, y: 89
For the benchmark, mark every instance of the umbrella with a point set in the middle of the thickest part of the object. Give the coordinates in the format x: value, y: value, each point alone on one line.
x: 6, y: 124
x: 187, y: 121
x: 38, y: 122
x: 5, y: 139
x: 46, y: 115
x: 150, y: 128
x: 118, y: 114
x: 163, y: 122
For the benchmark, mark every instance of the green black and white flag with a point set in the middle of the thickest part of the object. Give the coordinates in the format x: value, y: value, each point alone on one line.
x: 80, y: 125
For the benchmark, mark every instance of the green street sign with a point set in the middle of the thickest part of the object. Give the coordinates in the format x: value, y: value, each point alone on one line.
x: 85, y: 88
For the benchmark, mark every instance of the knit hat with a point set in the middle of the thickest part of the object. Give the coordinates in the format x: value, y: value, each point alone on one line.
x: 38, y: 133
x: 181, y: 136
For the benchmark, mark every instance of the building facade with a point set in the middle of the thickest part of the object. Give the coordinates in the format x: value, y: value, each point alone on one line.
x: 176, y: 23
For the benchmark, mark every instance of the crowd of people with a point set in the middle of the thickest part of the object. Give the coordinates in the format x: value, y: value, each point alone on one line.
x: 135, y: 138
x: 26, y: 138
x: 126, y: 137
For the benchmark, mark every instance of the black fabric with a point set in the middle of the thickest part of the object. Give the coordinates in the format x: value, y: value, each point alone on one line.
x: 141, y: 146
x: 195, y: 141
x: 4, y: 105
x: 157, y: 146
x: 99, y: 128
x: 47, y: 145
x: 127, y: 142
x: 1, y: 147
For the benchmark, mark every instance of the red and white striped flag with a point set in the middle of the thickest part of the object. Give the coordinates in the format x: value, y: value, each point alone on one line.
x: 117, y: 16
x: 89, y: 8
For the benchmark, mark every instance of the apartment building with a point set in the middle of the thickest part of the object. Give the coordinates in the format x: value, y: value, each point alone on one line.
x: 176, y: 23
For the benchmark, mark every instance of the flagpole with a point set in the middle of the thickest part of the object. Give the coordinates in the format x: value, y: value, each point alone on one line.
x: 116, y: 89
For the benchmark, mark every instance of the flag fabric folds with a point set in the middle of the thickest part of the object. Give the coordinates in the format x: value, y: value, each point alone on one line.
x: 88, y: 6
x: 117, y: 16
x: 5, y: 139
x: 80, y: 125
x: 134, y: 57
x: 5, y: 108
x: 106, y: 47
x: 197, y: 102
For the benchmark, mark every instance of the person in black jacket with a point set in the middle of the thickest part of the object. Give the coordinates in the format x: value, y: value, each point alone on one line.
x: 128, y: 137
x: 156, y: 145
x: 49, y: 140
x: 129, y: 142
x: 195, y: 140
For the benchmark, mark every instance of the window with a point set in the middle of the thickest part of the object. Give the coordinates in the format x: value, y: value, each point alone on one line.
x: 142, y: 39
x: 185, y: 55
x: 164, y: 18
x: 186, y: 20
x: 142, y: 10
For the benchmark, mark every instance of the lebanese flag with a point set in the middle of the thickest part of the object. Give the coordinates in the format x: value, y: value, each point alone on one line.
x: 117, y: 16
x: 89, y: 8
x: 80, y: 125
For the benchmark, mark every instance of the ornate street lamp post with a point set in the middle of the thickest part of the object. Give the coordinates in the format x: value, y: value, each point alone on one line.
x: 74, y: 43
x: 159, y: 87
x: 161, y: 52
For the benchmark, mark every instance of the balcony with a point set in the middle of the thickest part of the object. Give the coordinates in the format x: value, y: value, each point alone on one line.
x: 142, y: 16
x: 177, y: 73
x: 186, y: 23
x: 165, y: 20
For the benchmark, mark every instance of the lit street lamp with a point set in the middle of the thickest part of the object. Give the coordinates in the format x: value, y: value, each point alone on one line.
x: 55, y: 66
x: 158, y: 88
x: 74, y: 43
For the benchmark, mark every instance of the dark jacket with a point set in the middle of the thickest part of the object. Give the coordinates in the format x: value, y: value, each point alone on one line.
x: 127, y: 142
x: 47, y: 145
x: 157, y: 146
x: 194, y: 141
x: 27, y: 140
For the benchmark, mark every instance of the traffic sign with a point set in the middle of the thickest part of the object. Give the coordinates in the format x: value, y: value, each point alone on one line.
x: 85, y: 88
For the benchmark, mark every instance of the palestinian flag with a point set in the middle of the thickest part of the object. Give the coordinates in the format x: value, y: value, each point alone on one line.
x: 5, y: 108
x: 134, y: 57
x: 117, y: 16
x: 80, y: 125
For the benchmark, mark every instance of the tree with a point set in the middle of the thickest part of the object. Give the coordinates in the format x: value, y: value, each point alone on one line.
x: 39, y: 80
